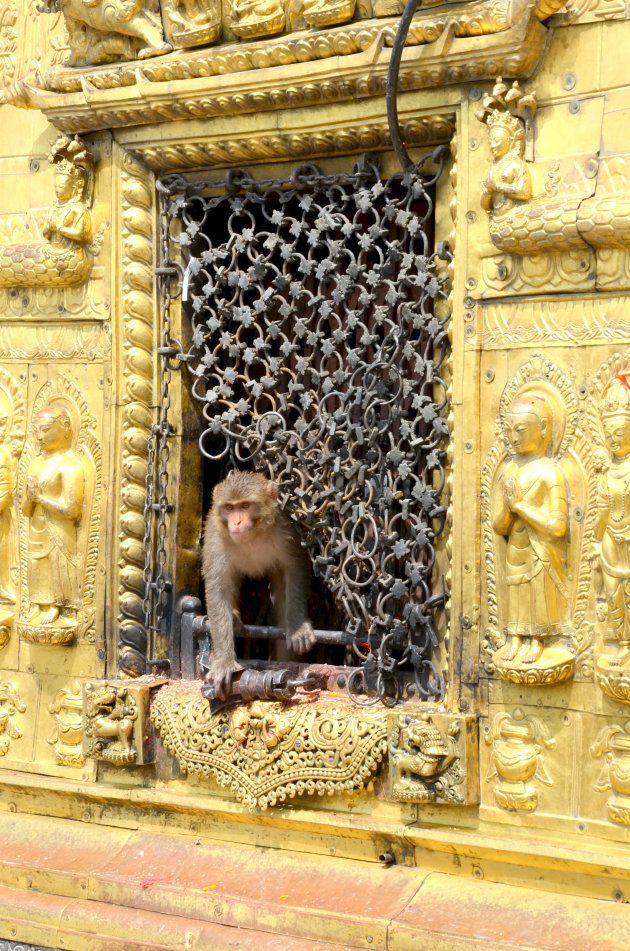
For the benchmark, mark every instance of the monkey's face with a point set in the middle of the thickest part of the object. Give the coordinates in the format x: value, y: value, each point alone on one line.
x: 240, y: 519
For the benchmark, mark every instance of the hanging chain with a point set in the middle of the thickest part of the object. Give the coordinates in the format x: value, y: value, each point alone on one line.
x: 156, y: 505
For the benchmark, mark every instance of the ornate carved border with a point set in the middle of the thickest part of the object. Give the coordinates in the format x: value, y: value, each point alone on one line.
x: 298, y: 71
x: 136, y: 319
x: 371, y: 136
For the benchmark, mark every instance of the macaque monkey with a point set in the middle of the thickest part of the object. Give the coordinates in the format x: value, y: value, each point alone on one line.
x: 246, y: 535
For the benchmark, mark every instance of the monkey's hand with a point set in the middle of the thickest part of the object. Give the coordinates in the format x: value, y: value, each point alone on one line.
x: 301, y: 639
x: 220, y: 676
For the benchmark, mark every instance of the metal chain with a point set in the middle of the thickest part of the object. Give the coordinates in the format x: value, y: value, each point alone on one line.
x: 156, y: 505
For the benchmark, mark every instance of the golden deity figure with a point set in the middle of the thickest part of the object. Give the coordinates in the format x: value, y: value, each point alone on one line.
x: 54, y: 506
x: 63, y: 257
x: 508, y: 181
x: 252, y: 18
x: 532, y: 515
x: 612, y: 528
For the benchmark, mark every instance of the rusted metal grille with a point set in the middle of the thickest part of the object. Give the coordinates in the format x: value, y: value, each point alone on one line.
x: 319, y: 334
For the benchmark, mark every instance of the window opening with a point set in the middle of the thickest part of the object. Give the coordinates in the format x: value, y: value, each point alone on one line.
x: 319, y: 337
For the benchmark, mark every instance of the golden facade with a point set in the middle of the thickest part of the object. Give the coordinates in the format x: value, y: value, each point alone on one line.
x: 133, y: 816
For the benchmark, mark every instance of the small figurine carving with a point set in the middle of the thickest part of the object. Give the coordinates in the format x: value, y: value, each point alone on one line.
x: 614, y: 741
x: 63, y: 257
x: 54, y: 507
x: 516, y: 758
x: 10, y: 706
x: 100, y: 31
x: 508, y: 181
x: 192, y: 22
x: 110, y: 715
x: 507, y: 184
x: 318, y: 13
x: 67, y: 734
x: 424, y: 763
x: 251, y: 18
x: 532, y: 515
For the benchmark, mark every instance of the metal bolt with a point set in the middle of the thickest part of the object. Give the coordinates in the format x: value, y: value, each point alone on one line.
x: 471, y: 282
x: 501, y: 272
x: 466, y: 622
x: 471, y: 216
x: 469, y: 331
x: 387, y: 858
x: 469, y: 445
x: 473, y: 144
x: 574, y: 107
x: 568, y: 81
x: 34, y: 165
x: 477, y: 871
x: 474, y: 93
x: 489, y: 375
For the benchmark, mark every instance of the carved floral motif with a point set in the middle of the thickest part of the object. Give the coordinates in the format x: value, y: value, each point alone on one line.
x: 8, y: 44
x: 269, y: 752
x: 66, y: 736
x: 516, y: 759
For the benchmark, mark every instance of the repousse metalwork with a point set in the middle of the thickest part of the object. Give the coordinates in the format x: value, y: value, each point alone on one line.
x: 317, y: 349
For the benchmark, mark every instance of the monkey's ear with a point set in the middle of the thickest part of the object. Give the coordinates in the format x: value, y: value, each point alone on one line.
x: 272, y: 490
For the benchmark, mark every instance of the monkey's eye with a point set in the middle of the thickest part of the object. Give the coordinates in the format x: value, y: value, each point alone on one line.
x: 228, y: 507
x: 246, y: 505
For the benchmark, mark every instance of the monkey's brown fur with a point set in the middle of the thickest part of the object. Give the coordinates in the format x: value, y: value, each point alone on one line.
x: 246, y: 535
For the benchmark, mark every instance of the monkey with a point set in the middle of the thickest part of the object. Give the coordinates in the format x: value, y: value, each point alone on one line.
x: 247, y: 535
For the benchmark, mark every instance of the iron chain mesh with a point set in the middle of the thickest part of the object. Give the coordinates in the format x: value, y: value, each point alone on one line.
x: 319, y: 336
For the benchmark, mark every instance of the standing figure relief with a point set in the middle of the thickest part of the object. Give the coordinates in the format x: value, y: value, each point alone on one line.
x: 63, y: 255
x: 59, y: 487
x: 609, y: 419
x: 54, y: 507
x: 533, y: 517
x: 531, y: 487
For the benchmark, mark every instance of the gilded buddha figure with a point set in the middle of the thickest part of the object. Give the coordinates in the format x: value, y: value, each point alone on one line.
x: 533, y: 517
x: 612, y: 528
x: 54, y: 507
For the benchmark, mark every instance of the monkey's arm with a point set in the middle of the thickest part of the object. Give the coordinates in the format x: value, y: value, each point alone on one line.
x: 222, y: 584
x: 297, y: 585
